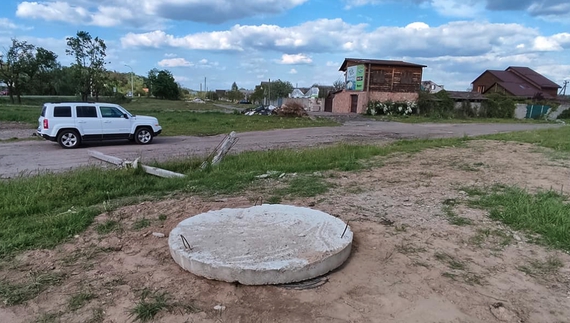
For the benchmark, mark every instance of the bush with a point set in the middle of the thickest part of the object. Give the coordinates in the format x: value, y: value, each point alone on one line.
x: 438, y: 105
x: 390, y: 108
x: 498, y: 106
x: 564, y: 115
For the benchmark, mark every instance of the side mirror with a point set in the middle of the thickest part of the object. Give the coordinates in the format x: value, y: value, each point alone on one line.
x: 126, y: 116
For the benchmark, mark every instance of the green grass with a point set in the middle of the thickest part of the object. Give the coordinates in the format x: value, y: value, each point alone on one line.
x: 45, y: 210
x: 453, y: 217
x: 553, y: 138
x: 149, y: 305
x: 305, y: 186
x: 180, y: 118
x: 79, y: 300
x: 108, y: 227
x: 18, y: 293
x: 546, y: 213
x: 152, y: 303
x: 141, y: 224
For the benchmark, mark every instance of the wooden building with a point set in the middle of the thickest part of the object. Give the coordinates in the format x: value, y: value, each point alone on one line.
x: 519, y: 82
x: 371, y: 79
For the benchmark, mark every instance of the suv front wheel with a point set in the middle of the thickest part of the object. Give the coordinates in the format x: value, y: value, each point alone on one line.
x: 143, y: 136
x: 69, y: 139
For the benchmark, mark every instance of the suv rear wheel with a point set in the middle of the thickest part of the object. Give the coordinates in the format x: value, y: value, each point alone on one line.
x: 69, y: 139
x: 143, y: 136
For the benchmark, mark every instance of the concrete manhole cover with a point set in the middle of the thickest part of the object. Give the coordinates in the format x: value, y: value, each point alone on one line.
x: 266, y: 244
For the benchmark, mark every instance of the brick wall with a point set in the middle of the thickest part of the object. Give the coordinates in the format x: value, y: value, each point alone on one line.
x: 341, y: 101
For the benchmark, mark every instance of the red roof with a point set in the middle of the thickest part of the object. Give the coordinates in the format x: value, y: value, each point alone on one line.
x: 533, y: 77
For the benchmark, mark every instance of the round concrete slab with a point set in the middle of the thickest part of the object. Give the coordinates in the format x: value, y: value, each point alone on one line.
x: 260, y: 245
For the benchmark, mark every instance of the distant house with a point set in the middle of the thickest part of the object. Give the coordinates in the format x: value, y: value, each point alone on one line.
x: 372, y: 79
x: 520, y: 82
x: 431, y: 87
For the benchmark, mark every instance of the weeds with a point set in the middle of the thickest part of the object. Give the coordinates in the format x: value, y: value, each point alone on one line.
x: 79, y: 300
x: 14, y: 294
x: 141, y: 224
x: 496, y: 237
x: 453, y: 217
x: 409, y: 249
x: 108, y: 226
x: 537, y: 268
x: 152, y: 303
x: 451, y: 262
x: 544, y: 213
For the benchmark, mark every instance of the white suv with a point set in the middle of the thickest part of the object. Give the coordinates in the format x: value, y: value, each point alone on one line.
x: 71, y: 123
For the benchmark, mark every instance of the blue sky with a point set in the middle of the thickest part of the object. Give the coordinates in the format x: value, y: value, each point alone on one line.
x: 302, y: 41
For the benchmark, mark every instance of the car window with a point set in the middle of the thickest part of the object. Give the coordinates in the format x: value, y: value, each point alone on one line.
x: 62, y: 112
x: 86, y: 111
x: 44, y: 111
x: 111, y: 112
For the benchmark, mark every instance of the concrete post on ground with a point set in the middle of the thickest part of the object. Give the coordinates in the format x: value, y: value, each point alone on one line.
x: 221, y: 151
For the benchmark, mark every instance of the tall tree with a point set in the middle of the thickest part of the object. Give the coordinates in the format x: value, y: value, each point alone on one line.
x: 280, y: 89
x: 163, y: 85
x: 39, y: 70
x: 13, y: 66
x: 89, y: 66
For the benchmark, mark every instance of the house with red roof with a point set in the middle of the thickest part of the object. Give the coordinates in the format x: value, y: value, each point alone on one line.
x: 516, y: 81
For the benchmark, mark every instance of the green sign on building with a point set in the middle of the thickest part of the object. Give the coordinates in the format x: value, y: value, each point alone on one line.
x: 355, y: 78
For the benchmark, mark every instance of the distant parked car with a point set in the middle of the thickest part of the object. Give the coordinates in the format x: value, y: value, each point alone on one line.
x: 244, y: 102
x: 4, y: 92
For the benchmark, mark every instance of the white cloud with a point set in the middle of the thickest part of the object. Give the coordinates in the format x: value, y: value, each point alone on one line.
x: 180, y: 79
x: 203, y: 61
x: 336, y: 36
x: 175, y: 62
x: 170, y: 55
x: 332, y: 64
x: 557, y: 42
x: 295, y: 59
x: 293, y: 71
x: 6, y: 25
x: 107, y: 13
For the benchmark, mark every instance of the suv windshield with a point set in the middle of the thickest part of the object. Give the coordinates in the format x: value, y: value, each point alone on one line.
x: 125, y: 111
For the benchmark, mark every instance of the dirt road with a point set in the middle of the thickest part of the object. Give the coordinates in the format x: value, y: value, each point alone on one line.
x: 30, y: 157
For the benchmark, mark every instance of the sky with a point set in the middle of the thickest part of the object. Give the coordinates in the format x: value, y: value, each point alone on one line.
x: 214, y: 43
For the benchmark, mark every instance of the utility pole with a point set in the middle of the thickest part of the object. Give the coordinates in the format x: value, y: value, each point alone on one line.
x: 269, y: 92
x: 563, y: 91
x: 132, y: 87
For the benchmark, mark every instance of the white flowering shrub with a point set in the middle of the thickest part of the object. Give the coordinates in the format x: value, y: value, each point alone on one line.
x: 401, y: 108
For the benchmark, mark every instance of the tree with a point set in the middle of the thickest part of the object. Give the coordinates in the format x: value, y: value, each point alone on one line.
x: 89, y: 66
x: 339, y: 85
x: 39, y: 71
x: 13, y: 66
x: 163, y: 85
x: 279, y: 89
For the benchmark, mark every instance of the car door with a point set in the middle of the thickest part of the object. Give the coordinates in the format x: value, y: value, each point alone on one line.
x: 88, y: 122
x: 115, y: 125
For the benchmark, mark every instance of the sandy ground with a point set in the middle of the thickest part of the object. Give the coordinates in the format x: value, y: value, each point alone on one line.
x: 408, y: 263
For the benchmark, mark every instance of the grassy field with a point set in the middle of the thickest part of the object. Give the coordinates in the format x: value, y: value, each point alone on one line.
x: 39, y: 211
x: 182, y: 118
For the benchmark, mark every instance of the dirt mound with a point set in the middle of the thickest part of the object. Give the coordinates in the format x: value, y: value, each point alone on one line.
x: 291, y: 110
